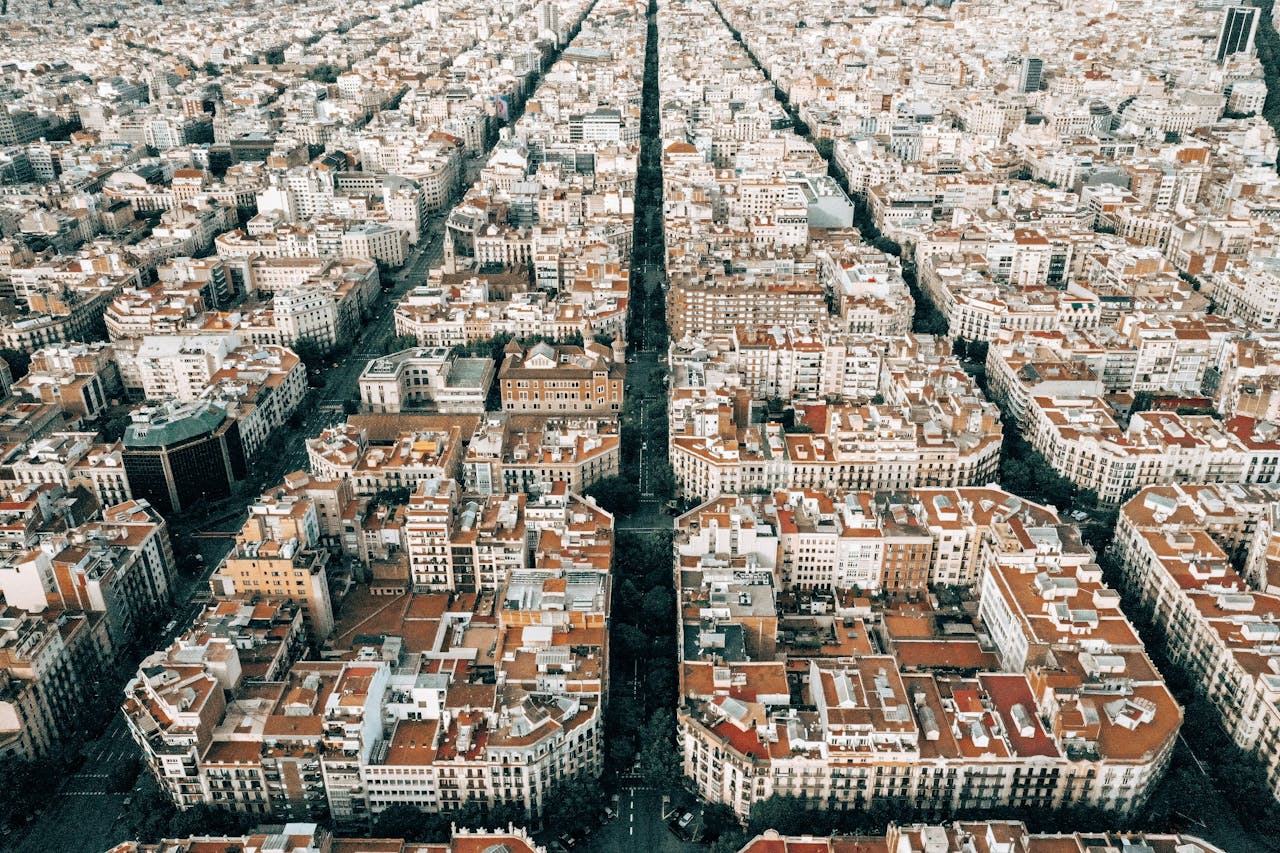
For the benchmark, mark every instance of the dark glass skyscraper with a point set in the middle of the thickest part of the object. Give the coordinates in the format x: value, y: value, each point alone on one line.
x: 1239, y: 24
x: 1032, y: 72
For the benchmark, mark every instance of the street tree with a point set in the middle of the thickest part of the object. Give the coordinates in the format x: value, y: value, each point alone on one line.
x: 574, y: 805
x: 616, y: 495
x: 660, y: 765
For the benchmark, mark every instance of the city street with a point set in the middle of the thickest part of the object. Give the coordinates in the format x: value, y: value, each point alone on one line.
x: 341, y: 381
x: 649, y: 354
x: 638, y: 826
x: 85, y: 800
x: 340, y: 384
x: 82, y: 818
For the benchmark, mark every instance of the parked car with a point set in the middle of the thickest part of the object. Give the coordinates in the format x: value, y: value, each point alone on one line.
x: 686, y: 819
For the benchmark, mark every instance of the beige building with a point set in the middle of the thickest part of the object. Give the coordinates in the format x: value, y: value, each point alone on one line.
x: 227, y: 716
x: 47, y: 671
x: 910, y: 440
x: 1176, y: 546
x: 427, y: 379
x: 530, y: 454
x: 1081, y: 438
x: 177, y: 712
x: 708, y: 301
x: 980, y: 303
x: 993, y: 836
x: 344, y: 452
x: 277, y: 554
x: 82, y: 378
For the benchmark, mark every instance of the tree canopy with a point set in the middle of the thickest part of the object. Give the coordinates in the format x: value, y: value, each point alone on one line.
x: 615, y: 494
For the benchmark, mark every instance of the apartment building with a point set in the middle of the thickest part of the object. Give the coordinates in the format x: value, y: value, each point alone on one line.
x: 1081, y: 438
x: 340, y: 513
x: 121, y: 565
x: 1142, y: 353
x: 899, y: 703
x: 278, y: 554
x: 71, y: 459
x: 1250, y: 292
x: 177, y: 711
x: 980, y: 305
x: 1178, y: 547
x: 48, y: 663
x: 301, y: 836
x: 468, y: 547
x: 785, y: 363
x: 179, y: 367
x: 74, y: 597
x: 344, y: 452
x: 436, y: 316
x: 52, y: 321
x: 836, y: 541
x: 995, y: 836
x: 438, y: 699
x: 931, y: 428
x: 164, y: 308
x: 711, y: 301
x: 531, y: 454
x: 82, y: 378
x: 262, y: 386
x: 1032, y: 365
x: 323, y: 301
x: 1247, y: 379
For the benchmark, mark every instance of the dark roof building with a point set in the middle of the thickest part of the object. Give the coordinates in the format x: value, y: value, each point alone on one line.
x: 179, y: 454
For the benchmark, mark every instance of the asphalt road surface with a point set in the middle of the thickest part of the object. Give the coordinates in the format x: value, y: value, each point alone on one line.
x: 638, y: 826
x: 82, y: 816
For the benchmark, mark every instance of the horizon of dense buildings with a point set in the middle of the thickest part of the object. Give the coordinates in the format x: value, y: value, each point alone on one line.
x: 894, y: 238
